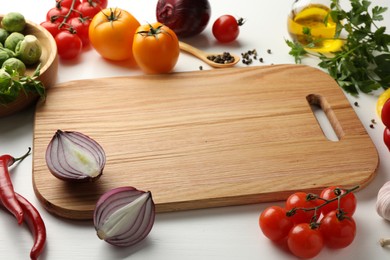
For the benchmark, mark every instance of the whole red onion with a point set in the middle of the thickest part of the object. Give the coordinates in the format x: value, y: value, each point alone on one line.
x: 185, y: 17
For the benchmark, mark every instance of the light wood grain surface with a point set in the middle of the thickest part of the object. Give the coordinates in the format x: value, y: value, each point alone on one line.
x: 206, y: 138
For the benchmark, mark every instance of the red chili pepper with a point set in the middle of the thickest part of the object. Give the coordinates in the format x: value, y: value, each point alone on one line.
x: 7, y: 193
x: 36, y: 225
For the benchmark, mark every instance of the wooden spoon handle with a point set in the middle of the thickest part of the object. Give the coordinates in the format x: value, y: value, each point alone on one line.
x: 203, y: 56
x: 194, y: 51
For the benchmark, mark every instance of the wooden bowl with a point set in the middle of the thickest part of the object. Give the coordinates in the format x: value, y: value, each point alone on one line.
x: 48, y: 71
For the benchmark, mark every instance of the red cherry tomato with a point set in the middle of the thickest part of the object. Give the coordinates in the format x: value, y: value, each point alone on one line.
x: 305, y: 241
x: 68, y: 3
x: 57, y: 14
x: 274, y: 223
x: 102, y: 3
x: 338, y: 231
x: 385, y: 115
x: 386, y: 137
x: 226, y: 28
x: 89, y: 9
x: 52, y: 27
x: 347, y: 203
x: 81, y: 25
x: 299, y: 200
x: 69, y: 45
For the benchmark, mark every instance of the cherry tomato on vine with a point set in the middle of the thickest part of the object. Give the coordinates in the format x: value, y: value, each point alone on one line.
x: 274, y: 223
x: 102, y: 3
x: 111, y: 33
x: 52, y: 27
x: 347, y: 203
x: 81, y: 25
x: 305, y: 241
x: 385, y: 115
x: 57, y: 14
x: 337, y: 230
x: 226, y: 28
x: 69, y: 45
x: 299, y: 200
x: 89, y: 9
x: 155, y: 48
x: 68, y: 3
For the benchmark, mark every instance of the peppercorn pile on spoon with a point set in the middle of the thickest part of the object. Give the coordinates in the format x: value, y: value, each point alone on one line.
x: 221, y: 60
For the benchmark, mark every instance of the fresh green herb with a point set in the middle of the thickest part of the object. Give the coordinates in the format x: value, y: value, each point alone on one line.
x: 363, y: 62
x: 298, y: 51
x: 12, y: 84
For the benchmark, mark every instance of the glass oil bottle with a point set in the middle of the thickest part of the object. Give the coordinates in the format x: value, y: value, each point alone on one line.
x: 309, y: 24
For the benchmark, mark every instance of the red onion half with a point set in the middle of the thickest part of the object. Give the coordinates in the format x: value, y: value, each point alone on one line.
x: 124, y: 216
x: 185, y: 17
x: 73, y: 156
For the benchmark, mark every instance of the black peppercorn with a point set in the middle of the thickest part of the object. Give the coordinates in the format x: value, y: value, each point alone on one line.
x: 223, y: 58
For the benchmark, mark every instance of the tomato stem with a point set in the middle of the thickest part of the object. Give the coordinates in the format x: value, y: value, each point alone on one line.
x: 339, y: 195
x: 154, y: 31
x: 66, y: 17
x: 241, y: 21
x: 113, y: 15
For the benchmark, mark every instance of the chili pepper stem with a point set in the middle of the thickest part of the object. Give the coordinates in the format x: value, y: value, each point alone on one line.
x: 21, y: 158
x: 384, y: 242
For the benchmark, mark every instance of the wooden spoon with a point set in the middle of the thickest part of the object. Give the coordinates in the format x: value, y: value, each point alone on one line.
x: 203, y: 56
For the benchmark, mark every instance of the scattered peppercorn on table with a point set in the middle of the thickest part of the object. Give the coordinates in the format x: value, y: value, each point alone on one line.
x: 230, y: 232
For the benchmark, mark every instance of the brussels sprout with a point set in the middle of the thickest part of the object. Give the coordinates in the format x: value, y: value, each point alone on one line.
x: 3, y: 35
x: 12, y: 40
x: 13, y: 22
x: 29, y: 50
x: 5, y: 81
x: 10, y: 53
x: 5, y: 54
x: 14, y: 64
x: 3, y: 57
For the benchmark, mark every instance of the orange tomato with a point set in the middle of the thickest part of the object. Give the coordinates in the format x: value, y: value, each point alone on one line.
x: 155, y: 48
x: 111, y: 33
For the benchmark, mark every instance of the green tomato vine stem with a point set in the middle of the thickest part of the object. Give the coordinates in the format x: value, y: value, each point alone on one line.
x: 66, y: 17
x: 340, y: 215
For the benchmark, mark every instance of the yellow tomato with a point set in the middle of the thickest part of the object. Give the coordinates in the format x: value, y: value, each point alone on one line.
x: 111, y: 33
x: 382, y: 100
x: 155, y: 48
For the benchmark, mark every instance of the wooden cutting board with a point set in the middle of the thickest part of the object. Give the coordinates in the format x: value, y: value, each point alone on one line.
x: 205, y: 138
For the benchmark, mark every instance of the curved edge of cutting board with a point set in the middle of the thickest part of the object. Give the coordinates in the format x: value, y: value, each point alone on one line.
x: 189, y: 119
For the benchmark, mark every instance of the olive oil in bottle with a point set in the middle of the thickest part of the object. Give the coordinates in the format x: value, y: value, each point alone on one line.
x: 314, y: 18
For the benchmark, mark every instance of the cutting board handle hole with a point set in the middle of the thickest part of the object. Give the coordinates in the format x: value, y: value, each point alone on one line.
x: 325, y: 116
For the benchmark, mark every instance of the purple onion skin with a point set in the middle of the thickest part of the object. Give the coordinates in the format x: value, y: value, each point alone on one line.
x: 117, y: 198
x: 185, y: 17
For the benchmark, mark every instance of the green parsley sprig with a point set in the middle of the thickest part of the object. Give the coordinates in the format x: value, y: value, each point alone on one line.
x: 363, y: 62
x: 12, y: 84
